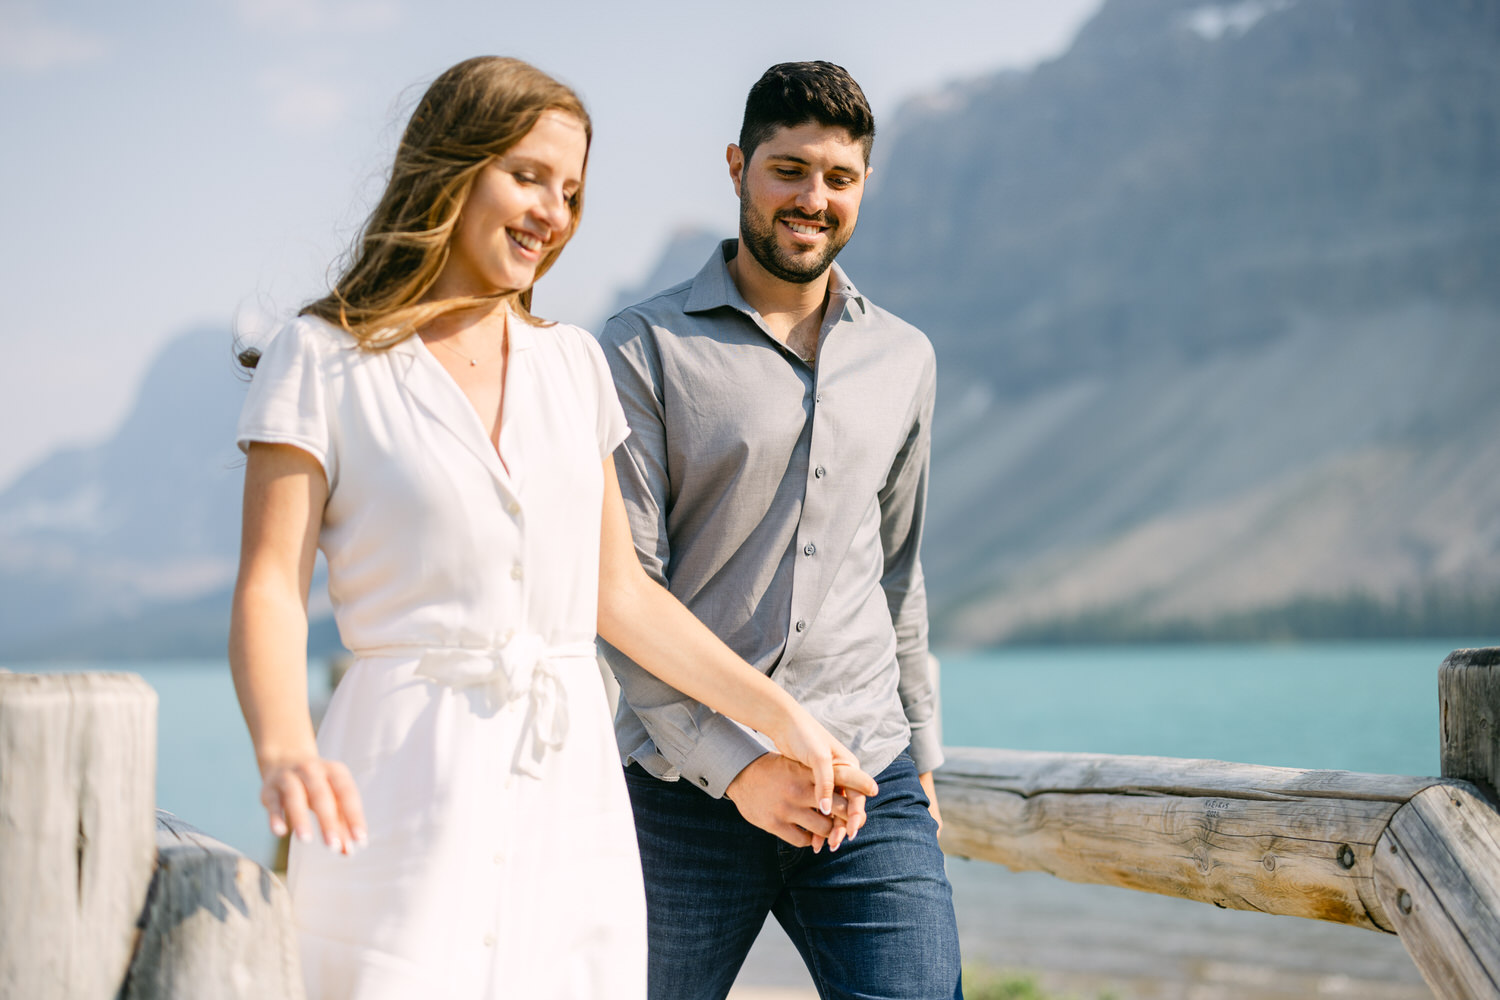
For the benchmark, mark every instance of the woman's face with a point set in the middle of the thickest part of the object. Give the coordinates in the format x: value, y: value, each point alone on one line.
x: 518, y: 210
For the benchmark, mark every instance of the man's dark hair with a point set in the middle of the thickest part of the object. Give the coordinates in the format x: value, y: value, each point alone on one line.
x: 792, y: 94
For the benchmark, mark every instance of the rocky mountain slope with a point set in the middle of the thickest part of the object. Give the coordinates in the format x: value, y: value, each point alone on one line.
x: 1215, y: 302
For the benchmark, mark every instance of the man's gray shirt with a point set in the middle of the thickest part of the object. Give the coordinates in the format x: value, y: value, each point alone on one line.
x: 781, y: 502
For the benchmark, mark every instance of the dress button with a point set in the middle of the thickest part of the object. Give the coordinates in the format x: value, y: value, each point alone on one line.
x: 809, y: 549
x: 819, y: 472
x: 515, y: 572
x: 513, y: 507
x: 489, y: 940
x: 703, y: 781
x: 507, y: 636
x: 801, y: 625
x: 499, y: 858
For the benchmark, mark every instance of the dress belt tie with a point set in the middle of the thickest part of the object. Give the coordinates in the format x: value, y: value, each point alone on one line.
x: 523, y: 667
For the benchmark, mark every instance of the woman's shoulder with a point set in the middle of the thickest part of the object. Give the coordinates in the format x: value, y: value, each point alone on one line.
x: 313, y: 334
x: 305, y: 343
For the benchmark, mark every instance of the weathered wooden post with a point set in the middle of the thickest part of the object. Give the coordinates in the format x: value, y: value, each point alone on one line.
x: 77, y: 836
x: 1437, y: 867
x: 217, y: 925
x: 1469, y: 703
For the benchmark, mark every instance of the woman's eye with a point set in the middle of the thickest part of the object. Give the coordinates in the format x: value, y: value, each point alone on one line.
x: 524, y: 177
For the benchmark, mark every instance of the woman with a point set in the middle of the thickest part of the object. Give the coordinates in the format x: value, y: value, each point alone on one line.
x: 451, y: 455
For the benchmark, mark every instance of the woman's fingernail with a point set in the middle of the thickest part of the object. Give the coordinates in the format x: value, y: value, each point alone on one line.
x: 361, y: 836
x: 305, y: 835
x: 278, y: 826
x: 335, y: 845
x: 825, y: 806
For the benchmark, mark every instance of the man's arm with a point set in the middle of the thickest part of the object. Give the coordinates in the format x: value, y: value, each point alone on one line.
x: 903, y: 506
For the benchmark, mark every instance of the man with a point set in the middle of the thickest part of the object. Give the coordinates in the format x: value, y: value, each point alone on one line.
x: 775, y: 477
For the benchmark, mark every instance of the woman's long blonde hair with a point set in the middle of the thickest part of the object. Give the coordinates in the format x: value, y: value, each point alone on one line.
x: 473, y: 112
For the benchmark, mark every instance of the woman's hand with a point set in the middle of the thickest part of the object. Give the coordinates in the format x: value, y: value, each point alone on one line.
x: 833, y: 767
x: 295, y: 791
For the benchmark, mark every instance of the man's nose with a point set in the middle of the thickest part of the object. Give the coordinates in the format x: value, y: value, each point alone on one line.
x: 813, y: 197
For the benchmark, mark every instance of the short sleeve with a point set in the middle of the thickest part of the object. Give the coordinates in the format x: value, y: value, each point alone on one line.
x: 612, y: 428
x: 288, y: 398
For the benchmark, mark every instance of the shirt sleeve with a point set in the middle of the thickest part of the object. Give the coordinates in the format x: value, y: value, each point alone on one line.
x: 697, y: 743
x: 288, y: 398
x: 903, y: 505
x: 611, y: 426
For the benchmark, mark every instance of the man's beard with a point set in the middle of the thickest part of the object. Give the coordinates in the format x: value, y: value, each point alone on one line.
x: 760, y: 239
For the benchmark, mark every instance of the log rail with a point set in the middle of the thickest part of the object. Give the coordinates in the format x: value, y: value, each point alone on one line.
x: 1418, y: 857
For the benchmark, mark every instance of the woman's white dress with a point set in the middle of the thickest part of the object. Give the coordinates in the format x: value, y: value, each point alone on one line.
x: 502, y: 857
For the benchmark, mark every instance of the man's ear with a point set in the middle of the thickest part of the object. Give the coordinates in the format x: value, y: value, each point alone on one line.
x: 736, y: 159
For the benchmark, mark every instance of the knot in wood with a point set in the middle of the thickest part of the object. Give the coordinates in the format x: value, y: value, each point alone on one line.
x: 1346, y: 856
x: 1269, y: 861
x: 1403, y: 901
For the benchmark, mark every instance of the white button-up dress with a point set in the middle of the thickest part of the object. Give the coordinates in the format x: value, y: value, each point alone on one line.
x: 502, y: 857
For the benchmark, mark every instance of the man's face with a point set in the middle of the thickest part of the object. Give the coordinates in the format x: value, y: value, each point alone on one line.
x: 799, y: 198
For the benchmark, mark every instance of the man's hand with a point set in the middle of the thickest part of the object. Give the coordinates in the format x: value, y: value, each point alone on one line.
x: 932, y: 806
x: 777, y: 794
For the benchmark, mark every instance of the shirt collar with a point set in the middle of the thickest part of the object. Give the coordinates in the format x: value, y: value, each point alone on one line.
x: 714, y: 288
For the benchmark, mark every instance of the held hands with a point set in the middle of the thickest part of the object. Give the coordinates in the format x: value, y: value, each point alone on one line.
x: 778, y: 795
x: 295, y: 790
x: 805, y: 741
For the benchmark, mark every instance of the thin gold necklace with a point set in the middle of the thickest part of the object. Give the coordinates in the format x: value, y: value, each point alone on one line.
x: 473, y: 362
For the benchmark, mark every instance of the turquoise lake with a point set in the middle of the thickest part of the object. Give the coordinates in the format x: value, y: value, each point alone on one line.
x: 1355, y: 706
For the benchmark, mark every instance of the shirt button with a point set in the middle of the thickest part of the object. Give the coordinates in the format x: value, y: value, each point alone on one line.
x: 513, y: 507
x: 818, y: 398
x: 499, y: 858
x: 507, y: 636
x: 809, y: 549
x: 515, y: 572
x: 801, y: 625
x: 489, y: 940
x: 703, y: 781
x: 819, y: 472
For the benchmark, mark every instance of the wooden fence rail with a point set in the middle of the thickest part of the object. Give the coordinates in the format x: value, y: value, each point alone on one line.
x: 1415, y: 856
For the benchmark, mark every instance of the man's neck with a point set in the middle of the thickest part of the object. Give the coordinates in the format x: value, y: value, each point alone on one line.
x: 792, y: 311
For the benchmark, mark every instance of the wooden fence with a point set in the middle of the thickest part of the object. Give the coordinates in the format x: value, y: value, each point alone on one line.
x: 106, y: 897
x: 1418, y: 857
x: 103, y: 896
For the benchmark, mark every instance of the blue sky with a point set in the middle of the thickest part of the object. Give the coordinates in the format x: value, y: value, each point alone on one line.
x: 179, y: 164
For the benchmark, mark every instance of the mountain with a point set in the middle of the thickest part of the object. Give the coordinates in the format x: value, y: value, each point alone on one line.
x: 148, y: 517
x: 1215, y: 306
x: 1218, y: 329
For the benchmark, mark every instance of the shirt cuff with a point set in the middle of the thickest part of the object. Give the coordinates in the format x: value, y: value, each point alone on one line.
x: 926, y: 749
x: 722, y: 751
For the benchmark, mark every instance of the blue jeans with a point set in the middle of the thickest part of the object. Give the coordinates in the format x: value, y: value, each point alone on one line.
x: 872, y: 920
